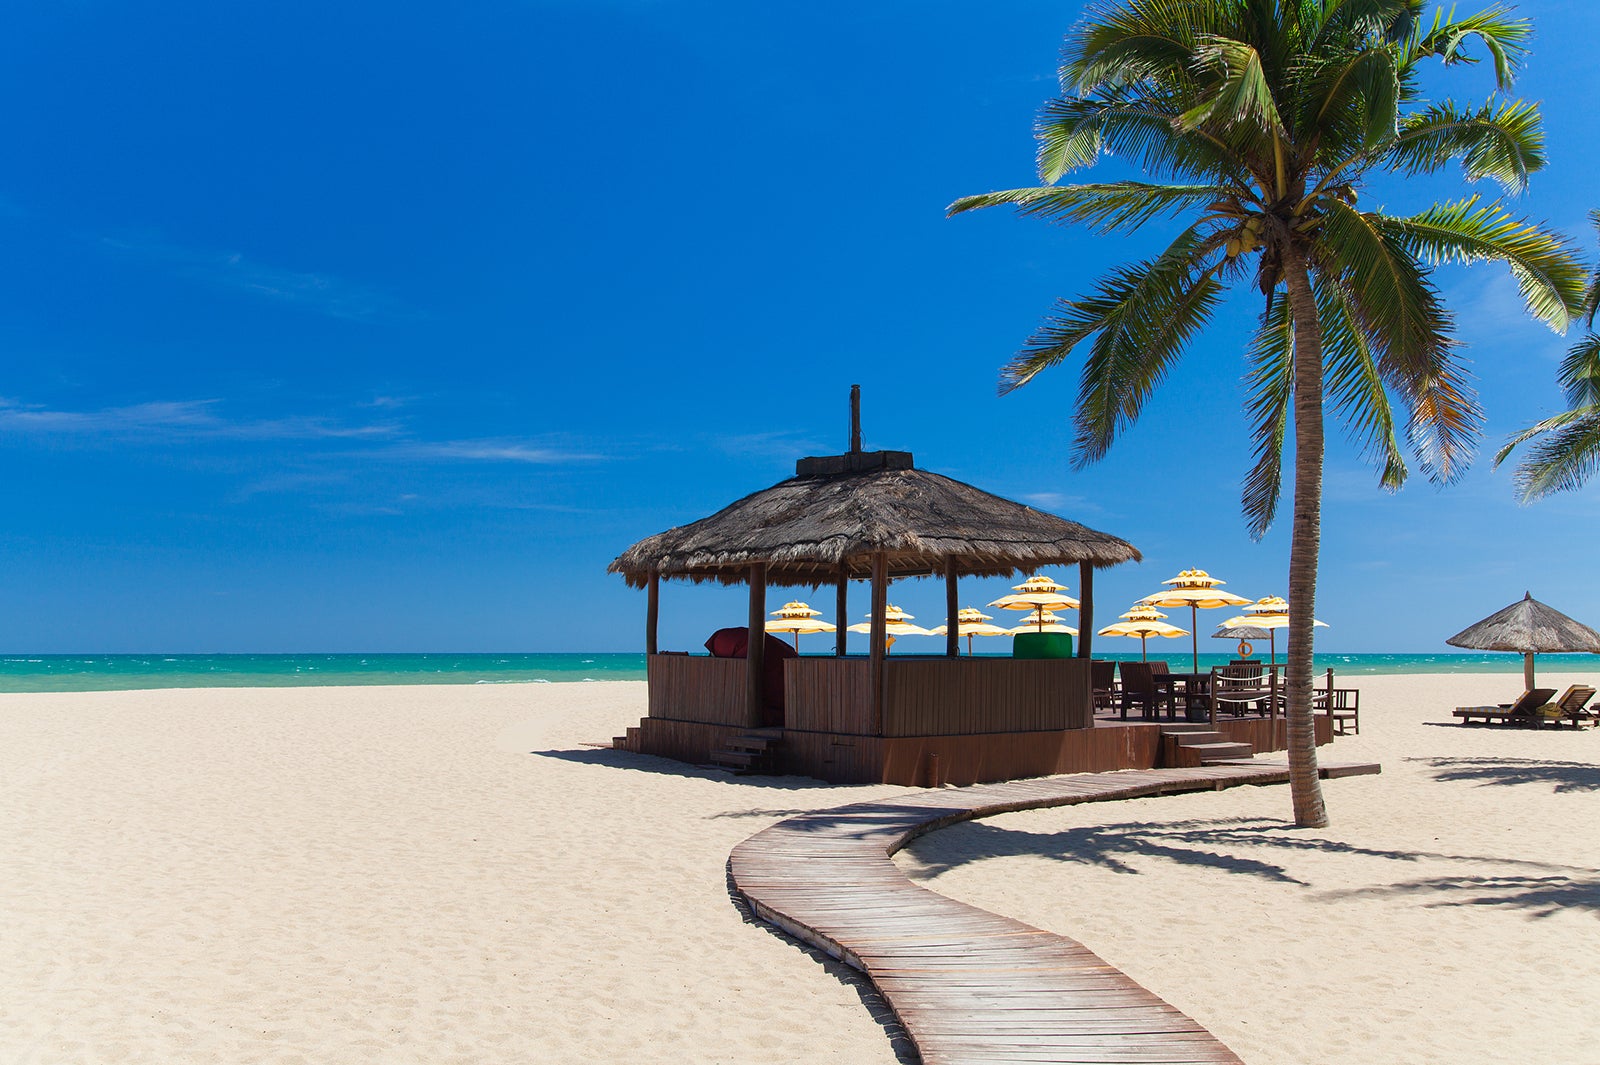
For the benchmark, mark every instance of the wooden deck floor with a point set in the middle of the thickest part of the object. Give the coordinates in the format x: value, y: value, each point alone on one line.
x: 971, y: 986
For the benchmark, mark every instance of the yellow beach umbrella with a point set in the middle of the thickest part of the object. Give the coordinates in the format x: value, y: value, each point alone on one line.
x: 1039, y: 594
x: 1270, y: 613
x: 1143, y: 622
x: 796, y: 618
x: 896, y: 622
x: 1197, y: 590
x: 1044, y: 621
x: 970, y: 622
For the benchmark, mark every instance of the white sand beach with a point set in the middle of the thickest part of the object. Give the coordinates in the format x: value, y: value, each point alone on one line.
x: 444, y: 874
x: 1450, y: 914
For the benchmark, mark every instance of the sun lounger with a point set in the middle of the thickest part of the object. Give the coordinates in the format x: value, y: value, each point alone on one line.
x: 1525, y: 711
x: 1572, y: 706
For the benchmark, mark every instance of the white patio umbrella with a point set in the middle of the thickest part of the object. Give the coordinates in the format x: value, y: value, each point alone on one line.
x: 971, y: 622
x: 896, y: 622
x: 1143, y: 622
x: 1044, y: 621
x: 796, y: 618
x: 1041, y: 595
x: 1197, y: 590
x: 1270, y: 613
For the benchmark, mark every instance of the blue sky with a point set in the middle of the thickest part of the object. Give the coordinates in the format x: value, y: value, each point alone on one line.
x: 364, y: 327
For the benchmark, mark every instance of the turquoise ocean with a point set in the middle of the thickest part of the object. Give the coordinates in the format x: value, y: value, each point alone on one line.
x: 90, y: 672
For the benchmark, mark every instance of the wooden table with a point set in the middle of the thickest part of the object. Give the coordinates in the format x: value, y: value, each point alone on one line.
x: 1193, y: 687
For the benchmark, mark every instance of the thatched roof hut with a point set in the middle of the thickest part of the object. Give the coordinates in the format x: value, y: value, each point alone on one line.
x: 1528, y: 627
x: 864, y: 514
x: 830, y: 519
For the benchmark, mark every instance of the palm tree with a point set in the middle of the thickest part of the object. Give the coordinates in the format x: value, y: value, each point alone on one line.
x: 1260, y: 120
x: 1567, y: 451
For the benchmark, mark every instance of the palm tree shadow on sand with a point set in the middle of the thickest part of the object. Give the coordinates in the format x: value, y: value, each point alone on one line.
x: 1485, y: 772
x: 1538, y: 887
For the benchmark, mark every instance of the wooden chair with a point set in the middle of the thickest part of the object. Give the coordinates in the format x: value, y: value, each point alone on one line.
x: 1103, y: 680
x: 1342, y: 705
x: 1139, y: 688
x: 1241, y: 689
x: 1525, y: 711
x: 1570, y: 707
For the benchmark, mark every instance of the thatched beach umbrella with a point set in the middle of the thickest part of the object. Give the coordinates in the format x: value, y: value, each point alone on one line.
x: 1197, y: 590
x: 1244, y: 634
x: 1144, y: 622
x: 796, y: 618
x: 1528, y: 627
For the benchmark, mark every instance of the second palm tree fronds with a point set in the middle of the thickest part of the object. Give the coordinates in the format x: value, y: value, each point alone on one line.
x: 1565, y: 449
x: 1258, y: 122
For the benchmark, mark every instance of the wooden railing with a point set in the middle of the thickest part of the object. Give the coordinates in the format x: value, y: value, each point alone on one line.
x: 699, y: 688
x: 939, y: 696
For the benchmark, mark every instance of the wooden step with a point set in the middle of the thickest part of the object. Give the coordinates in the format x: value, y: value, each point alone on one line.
x: 1194, y: 739
x: 749, y: 743
x: 735, y: 759
x: 1193, y: 755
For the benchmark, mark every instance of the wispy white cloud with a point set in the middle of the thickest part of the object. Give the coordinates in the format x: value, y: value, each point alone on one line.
x: 176, y: 419
x: 779, y: 444
x: 1057, y: 502
x: 320, y: 292
x: 493, y: 450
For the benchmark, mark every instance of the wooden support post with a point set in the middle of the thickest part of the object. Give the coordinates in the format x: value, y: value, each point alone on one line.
x: 855, y: 417
x: 879, y: 646
x: 756, y: 645
x: 952, y: 640
x: 841, y: 609
x: 652, y: 611
x: 1085, y: 609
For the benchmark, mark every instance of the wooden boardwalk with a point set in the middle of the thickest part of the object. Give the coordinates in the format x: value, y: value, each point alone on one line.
x: 971, y: 986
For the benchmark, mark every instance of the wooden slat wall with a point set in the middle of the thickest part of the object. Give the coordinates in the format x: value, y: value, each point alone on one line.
x: 1271, y: 734
x: 828, y: 695
x: 699, y: 688
x: 963, y: 696
x: 834, y: 758
x: 683, y: 741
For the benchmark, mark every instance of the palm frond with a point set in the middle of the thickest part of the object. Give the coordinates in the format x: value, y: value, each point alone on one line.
x: 1270, y: 385
x: 1550, y: 277
x: 1242, y: 95
x: 1564, y: 456
x: 1116, y: 205
x: 1357, y: 101
x: 1073, y: 133
x: 1502, y: 140
x: 1505, y: 39
x: 1579, y: 375
x: 1355, y: 382
x: 1398, y: 307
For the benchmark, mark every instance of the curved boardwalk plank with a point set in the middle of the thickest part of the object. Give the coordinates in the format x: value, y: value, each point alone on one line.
x: 971, y: 986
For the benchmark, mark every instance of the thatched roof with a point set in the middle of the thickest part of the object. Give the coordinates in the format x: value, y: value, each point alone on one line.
x: 1530, y: 627
x: 842, y: 509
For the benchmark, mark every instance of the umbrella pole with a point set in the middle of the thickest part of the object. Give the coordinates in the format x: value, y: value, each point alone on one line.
x: 1194, y: 633
x: 1144, y: 647
x: 1527, y: 670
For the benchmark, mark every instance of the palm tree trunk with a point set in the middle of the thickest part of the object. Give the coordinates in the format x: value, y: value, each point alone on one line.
x: 1305, y: 541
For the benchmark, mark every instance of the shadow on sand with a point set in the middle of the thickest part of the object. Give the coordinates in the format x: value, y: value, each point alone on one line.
x: 1538, y: 887
x: 649, y: 763
x: 1562, y: 776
